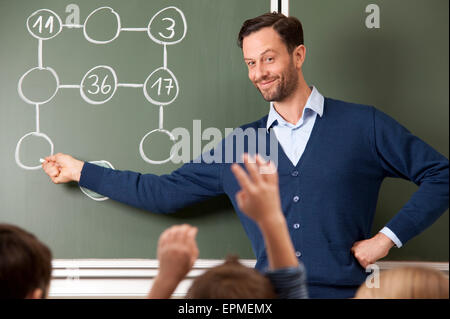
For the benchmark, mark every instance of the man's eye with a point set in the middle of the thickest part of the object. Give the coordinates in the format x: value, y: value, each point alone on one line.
x: 251, y: 63
x: 270, y: 59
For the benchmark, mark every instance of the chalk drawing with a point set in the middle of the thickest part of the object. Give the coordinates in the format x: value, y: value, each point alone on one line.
x: 161, y: 38
x: 92, y: 14
x: 141, y: 146
x: 17, y: 153
x: 100, y: 83
x: 40, y: 21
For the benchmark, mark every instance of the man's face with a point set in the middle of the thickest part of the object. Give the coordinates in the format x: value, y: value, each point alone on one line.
x: 270, y: 67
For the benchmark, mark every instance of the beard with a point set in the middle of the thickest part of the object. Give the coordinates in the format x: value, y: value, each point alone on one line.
x: 286, y: 84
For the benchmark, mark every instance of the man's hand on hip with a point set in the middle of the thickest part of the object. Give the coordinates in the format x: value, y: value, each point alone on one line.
x: 370, y: 250
x: 62, y: 168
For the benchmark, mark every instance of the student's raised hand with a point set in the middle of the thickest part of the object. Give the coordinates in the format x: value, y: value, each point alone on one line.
x: 259, y: 197
x: 62, y: 168
x: 177, y: 251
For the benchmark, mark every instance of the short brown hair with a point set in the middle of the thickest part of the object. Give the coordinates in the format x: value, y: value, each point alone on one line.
x: 231, y: 280
x: 25, y: 263
x: 407, y: 283
x: 289, y: 28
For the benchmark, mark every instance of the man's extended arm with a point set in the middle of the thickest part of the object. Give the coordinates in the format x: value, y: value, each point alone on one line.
x: 191, y: 183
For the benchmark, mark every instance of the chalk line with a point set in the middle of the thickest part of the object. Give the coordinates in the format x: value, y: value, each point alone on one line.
x: 161, y: 116
x: 73, y: 26
x: 69, y: 86
x: 165, y: 56
x: 37, y: 119
x: 130, y: 85
x: 40, y: 54
x: 134, y: 29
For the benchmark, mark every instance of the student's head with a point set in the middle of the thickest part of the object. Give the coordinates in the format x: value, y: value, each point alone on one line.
x: 407, y: 283
x: 272, y: 45
x: 231, y: 280
x: 25, y: 264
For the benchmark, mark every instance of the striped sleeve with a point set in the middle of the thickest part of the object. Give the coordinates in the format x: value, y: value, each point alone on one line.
x: 289, y: 283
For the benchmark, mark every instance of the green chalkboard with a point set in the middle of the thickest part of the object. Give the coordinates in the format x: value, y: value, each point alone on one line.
x: 401, y: 68
x: 104, y: 121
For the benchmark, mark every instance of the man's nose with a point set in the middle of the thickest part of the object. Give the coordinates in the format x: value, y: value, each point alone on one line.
x: 259, y: 72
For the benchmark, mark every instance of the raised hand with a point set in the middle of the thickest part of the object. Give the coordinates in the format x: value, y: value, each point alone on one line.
x: 177, y: 252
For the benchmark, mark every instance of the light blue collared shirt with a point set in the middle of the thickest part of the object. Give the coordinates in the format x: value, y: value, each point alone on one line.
x: 293, y: 138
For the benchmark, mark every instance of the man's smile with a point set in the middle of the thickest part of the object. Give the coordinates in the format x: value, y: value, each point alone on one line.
x: 266, y: 83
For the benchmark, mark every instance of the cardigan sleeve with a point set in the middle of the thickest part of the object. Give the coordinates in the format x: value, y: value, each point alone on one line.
x: 193, y: 182
x: 403, y: 155
x: 289, y: 283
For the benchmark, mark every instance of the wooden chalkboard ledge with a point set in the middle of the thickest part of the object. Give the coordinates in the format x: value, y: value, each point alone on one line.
x: 132, y: 278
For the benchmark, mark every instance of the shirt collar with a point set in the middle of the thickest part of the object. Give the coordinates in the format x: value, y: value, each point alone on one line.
x: 315, y: 103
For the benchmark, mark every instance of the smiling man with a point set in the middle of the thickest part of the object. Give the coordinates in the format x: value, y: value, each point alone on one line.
x: 333, y: 157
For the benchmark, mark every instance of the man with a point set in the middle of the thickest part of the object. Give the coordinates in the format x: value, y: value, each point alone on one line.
x: 333, y: 157
x: 25, y: 264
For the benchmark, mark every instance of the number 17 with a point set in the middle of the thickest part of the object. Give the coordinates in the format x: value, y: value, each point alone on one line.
x: 169, y: 86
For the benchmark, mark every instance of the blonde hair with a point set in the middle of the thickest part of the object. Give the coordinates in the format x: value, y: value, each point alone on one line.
x: 407, y: 283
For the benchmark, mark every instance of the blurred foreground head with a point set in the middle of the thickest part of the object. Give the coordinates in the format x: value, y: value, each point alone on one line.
x: 231, y: 280
x: 25, y: 264
x: 408, y: 283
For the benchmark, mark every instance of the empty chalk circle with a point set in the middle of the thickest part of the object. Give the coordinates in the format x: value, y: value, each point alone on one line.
x: 44, y: 24
x: 91, y: 194
x: 96, y: 20
x: 141, y: 147
x: 38, y: 85
x: 19, y: 144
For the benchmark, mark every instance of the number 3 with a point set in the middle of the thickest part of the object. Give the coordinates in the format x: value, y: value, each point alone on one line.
x: 169, y: 28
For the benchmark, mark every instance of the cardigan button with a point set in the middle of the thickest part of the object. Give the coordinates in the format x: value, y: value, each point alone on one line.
x: 298, y: 254
x: 296, y: 226
x: 296, y: 199
x: 294, y: 173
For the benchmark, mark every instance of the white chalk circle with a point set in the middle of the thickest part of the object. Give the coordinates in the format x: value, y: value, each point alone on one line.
x: 161, y: 87
x: 91, y: 194
x: 44, y: 24
x: 97, y: 83
x: 168, y: 32
x: 97, y: 11
x: 141, y: 147
x: 17, y: 153
x: 37, y: 69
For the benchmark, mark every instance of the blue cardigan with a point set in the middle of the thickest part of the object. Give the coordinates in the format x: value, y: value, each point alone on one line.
x: 329, y: 198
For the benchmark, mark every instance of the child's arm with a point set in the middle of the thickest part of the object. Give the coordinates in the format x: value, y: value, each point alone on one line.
x: 177, y: 252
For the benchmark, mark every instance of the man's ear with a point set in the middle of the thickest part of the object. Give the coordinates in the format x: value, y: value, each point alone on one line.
x: 35, y: 294
x: 299, y: 55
